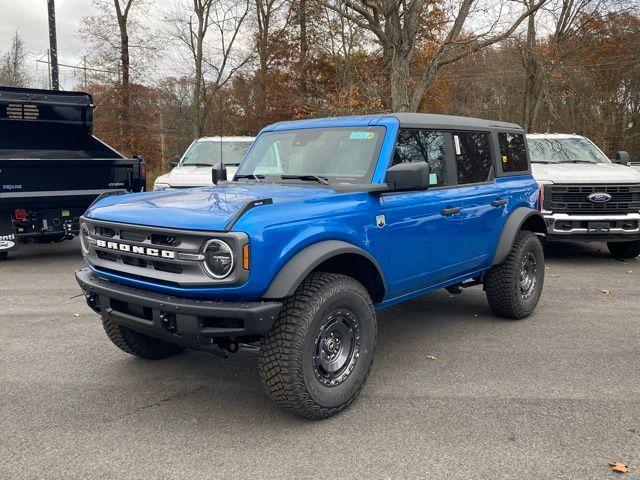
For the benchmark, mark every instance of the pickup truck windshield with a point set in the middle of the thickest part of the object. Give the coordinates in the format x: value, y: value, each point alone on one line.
x: 340, y: 154
x: 212, y: 153
x: 564, y: 150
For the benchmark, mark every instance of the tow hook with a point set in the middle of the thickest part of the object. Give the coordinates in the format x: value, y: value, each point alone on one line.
x: 168, y: 321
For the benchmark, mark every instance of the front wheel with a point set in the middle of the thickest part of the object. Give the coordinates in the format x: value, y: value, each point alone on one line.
x: 624, y: 250
x: 138, y: 344
x: 317, y: 356
x: 514, y: 286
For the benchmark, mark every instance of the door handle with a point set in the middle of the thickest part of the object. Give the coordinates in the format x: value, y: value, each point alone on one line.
x: 499, y: 202
x: 447, y: 212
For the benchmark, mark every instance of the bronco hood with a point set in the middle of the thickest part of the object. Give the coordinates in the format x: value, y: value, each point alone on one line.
x: 570, y: 173
x: 206, y: 208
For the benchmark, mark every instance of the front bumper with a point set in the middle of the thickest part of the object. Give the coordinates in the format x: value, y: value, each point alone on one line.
x: 186, y: 322
x: 600, y: 227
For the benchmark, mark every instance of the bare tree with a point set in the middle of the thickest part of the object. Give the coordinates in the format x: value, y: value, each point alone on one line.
x: 396, y: 26
x: 559, y: 21
x: 13, y: 71
x: 122, y: 15
x: 213, y: 66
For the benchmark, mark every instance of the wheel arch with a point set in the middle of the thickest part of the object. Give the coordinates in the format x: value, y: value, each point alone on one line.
x: 333, y: 256
x: 522, y: 218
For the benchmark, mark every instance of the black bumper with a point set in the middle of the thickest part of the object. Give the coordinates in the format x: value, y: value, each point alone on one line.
x: 187, y: 322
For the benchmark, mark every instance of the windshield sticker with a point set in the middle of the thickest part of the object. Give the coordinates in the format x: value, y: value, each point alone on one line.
x: 456, y: 141
x: 361, y: 135
x: 433, y: 179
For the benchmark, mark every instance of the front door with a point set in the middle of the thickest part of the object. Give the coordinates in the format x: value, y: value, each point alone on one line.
x: 424, y: 227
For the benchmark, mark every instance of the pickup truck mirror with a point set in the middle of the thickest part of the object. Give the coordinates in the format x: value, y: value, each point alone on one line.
x: 175, y: 161
x: 218, y: 172
x: 408, y: 176
x: 622, y: 158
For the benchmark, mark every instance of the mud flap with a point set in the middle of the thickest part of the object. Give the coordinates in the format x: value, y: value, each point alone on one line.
x: 7, y: 233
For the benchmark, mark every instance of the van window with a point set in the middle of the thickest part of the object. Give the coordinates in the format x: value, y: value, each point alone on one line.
x: 473, y: 157
x: 420, y: 145
x: 513, y: 153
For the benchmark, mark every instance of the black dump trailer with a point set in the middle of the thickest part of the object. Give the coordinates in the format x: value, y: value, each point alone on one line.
x: 52, y: 167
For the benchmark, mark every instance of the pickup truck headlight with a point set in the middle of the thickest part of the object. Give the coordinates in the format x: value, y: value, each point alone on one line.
x: 218, y: 259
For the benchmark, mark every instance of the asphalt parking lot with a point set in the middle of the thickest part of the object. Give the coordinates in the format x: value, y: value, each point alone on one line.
x: 552, y: 397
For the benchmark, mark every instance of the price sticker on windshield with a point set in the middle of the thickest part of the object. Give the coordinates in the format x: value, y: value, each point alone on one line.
x: 361, y: 135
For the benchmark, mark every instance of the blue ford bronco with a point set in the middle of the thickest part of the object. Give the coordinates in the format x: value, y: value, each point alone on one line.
x: 326, y: 222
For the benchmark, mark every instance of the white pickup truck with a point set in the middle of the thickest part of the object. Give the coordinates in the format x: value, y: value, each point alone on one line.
x: 194, y: 168
x: 585, y: 196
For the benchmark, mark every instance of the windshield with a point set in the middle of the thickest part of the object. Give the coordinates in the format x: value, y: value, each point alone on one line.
x: 211, y: 153
x: 341, y: 154
x: 564, y: 150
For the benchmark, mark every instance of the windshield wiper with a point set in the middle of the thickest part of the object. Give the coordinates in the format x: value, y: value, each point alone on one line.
x: 196, y: 165
x: 575, y: 161
x: 257, y: 178
x: 322, y: 180
x: 541, y: 161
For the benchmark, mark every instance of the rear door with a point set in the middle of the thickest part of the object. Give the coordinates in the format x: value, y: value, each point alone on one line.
x: 424, y: 227
x: 484, y: 199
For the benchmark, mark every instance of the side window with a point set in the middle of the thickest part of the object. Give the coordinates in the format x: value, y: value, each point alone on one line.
x: 419, y: 145
x: 473, y: 157
x: 513, y: 153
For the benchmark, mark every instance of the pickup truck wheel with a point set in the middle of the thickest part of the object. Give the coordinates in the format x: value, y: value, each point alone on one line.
x: 4, y: 255
x: 624, y: 250
x: 514, y: 286
x: 317, y: 356
x: 138, y: 344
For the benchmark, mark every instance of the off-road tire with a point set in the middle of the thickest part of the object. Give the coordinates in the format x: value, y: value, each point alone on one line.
x: 502, y: 282
x: 4, y: 255
x: 287, y: 360
x: 139, y: 344
x: 624, y: 250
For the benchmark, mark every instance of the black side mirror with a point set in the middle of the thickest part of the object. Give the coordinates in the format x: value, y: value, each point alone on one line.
x: 175, y: 161
x: 622, y: 157
x: 408, y: 176
x: 218, y: 173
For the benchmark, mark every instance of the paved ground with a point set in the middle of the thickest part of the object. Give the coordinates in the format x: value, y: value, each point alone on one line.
x: 552, y: 397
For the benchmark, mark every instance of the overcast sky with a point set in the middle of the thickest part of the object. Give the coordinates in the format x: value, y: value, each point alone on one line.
x: 29, y: 18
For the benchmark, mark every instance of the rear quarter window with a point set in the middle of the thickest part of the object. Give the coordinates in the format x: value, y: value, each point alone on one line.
x: 513, y: 152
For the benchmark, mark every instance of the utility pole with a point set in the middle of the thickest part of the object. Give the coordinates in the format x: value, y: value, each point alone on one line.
x: 53, y: 46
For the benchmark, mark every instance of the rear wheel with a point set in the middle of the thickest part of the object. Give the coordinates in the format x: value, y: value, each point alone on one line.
x: 317, y: 356
x: 514, y: 286
x: 138, y: 344
x: 4, y: 255
x: 624, y: 250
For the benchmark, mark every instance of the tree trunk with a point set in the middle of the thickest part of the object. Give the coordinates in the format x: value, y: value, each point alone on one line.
x: 534, y: 80
x: 304, y: 52
x: 125, y: 115
x: 400, y: 83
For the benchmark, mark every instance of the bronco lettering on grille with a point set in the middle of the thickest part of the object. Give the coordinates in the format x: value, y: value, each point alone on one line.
x: 126, y: 248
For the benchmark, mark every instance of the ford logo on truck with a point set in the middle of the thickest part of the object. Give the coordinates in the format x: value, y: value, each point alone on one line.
x: 599, y: 197
x: 126, y: 248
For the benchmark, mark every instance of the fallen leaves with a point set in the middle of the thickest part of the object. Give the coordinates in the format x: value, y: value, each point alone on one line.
x: 606, y: 291
x: 629, y: 272
x: 618, y: 467
x: 76, y: 314
x: 554, y: 275
x: 431, y: 357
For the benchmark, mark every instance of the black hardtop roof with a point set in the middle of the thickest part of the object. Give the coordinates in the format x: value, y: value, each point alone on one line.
x: 417, y: 120
x: 36, y: 95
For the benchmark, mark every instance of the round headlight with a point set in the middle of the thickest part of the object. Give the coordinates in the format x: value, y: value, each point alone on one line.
x: 218, y: 258
x: 84, y: 238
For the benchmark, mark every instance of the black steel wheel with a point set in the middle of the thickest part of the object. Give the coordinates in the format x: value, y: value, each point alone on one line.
x: 514, y: 286
x: 317, y: 356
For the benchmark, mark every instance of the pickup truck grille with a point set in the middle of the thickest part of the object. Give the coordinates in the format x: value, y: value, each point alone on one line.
x: 167, y: 256
x: 574, y: 198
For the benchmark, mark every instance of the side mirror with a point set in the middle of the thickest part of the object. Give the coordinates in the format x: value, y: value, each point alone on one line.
x: 622, y: 157
x: 175, y: 161
x: 408, y: 176
x: 218, y: 173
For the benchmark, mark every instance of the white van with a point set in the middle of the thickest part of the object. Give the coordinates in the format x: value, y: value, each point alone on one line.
x: 194, y: 168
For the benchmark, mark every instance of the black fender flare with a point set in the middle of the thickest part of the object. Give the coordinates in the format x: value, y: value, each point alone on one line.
x: 512, y: 226
x: 291, y: 275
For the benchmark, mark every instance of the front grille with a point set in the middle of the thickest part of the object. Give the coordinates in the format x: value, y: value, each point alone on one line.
x: 574, y: 198
x: 167, y: 256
